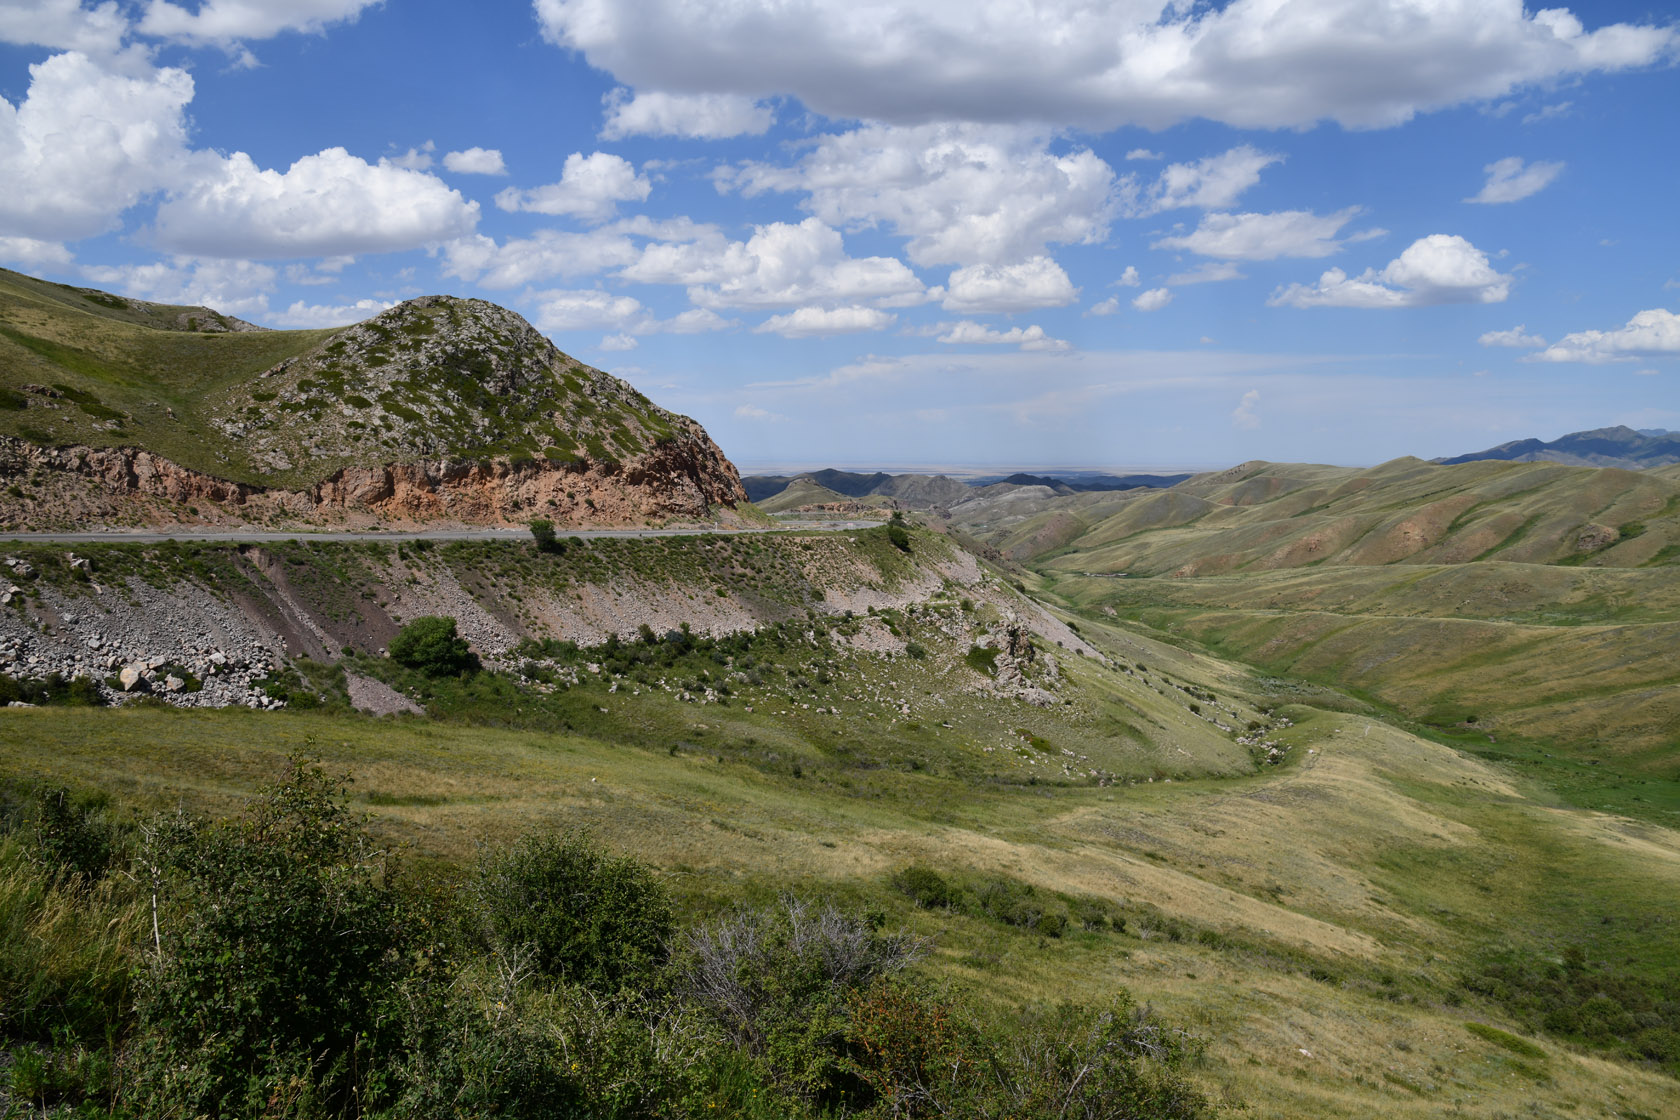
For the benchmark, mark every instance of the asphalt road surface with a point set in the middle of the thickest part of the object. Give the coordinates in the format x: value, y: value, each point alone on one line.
x: 259, y: 536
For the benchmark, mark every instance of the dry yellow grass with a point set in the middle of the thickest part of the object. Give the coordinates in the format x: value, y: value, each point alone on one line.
x: 1299, y: 861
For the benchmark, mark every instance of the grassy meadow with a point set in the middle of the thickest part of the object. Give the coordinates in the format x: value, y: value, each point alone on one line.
x: 1342, y: 929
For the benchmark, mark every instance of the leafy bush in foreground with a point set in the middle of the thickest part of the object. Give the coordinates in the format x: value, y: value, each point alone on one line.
x: 278, y: 940
x: 583, y: 916
x: 291, y: 973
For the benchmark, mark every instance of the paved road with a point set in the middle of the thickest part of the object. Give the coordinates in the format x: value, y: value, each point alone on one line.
x: 261, y: 536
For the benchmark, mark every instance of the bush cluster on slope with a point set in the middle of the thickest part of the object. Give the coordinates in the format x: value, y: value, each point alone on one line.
x: 286, y: 968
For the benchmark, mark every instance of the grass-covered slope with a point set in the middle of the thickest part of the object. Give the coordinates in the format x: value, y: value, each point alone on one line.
x: 1265, y: 516
x: 434, y: 379
x: 82, y: 367
x: 1577, y: 661
x: 1380, y: 926
x: 1529, y: 609
x: 838, y: 647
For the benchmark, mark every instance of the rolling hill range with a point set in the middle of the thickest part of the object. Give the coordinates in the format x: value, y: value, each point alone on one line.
x: 438, y: 409
x: 1515, y: 603
x: 1264, y: 516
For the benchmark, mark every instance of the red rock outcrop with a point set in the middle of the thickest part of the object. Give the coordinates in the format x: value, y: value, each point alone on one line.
x: 683, y: 479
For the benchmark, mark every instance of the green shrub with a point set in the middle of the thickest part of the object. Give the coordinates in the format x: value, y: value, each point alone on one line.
x: 430, y: 645
x: 899, y: 538
x: 279, y: 940
x: 1589, y: 1002
x: 777, y: 981
x: 1018, y: 904
x: 585, y: 917
x: 982, y: 659
x: 542, y: 532
x: 473, y: 1052
x: 927, y: 888
x: 916, y: 1057
x: 74, y: 834
x: 1083, y: 1063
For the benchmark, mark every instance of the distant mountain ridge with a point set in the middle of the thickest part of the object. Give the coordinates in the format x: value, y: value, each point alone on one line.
x: 1621, y: 446
x: 922, y: 491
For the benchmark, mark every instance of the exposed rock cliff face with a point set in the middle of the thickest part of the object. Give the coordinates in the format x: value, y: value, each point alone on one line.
x: 684, y: 478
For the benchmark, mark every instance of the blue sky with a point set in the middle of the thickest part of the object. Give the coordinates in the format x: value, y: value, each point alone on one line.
x: 841, y: 232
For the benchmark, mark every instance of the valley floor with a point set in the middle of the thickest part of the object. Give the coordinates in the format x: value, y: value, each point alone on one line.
x: 1328, y: 925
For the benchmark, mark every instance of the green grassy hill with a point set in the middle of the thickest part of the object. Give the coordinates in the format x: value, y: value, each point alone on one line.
x: 1266, y: 516
x: 1519, y: 607
x: 800, y: 492
x: 432, y: 379
x: 109, y: 371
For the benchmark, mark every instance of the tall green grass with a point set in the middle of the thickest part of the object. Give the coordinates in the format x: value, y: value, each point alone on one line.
x: 66, y: 948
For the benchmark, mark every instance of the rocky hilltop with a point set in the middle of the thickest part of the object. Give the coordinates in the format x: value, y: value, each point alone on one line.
x: 440, y: 409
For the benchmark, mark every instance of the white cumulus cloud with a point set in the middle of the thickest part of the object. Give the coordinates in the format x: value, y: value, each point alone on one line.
x: 589, y: 309
x: 696, y: 320
x: 550, y: 253
x: 228, y: 21
x: 31, y: 253
x: 590, y: 188
x: 1153, y: 300
x: 1246, y: 415
x: 1510, y: 180
x: 1517, y: 336
x: 1247, y: 63
x: 1440, y: 268
x: 328, y: 204
x: 1109, y: 306
x: 63, y: 25
x: 1208, y: 272
x: 1208, y: 184
x: 963, y: 194
x: 592, y: 308
x: 970, y: 333
x: 1032, y: 284
x: 1653, y: 333
x: 475, y: 161
x: 303, y: 316
x: 85, y: 144
x: 417, y: 158
x: 233, y: 287
x: 1264, y: 237
x: 781, y: 265
x: 820, y: 322
x: 696, y: 116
